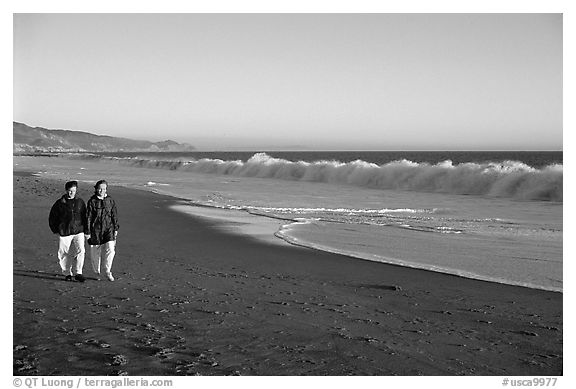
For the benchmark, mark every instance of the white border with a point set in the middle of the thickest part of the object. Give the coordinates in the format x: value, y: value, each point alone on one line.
x: 305, y: 6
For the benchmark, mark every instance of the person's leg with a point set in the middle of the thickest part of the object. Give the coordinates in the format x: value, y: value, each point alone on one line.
x: 95, y: 252
x: 109, y: 252
x: 77, y: 248
x: 63, y: 257
x: 78, y: 242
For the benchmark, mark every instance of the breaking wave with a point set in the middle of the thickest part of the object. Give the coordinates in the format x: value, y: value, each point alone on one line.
x: 511, y: 179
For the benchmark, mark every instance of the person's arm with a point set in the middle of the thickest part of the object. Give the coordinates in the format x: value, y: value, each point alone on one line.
x: 89, y: 211
x: 84, y: 216
x: 115, y: 218
x: 54, y: 218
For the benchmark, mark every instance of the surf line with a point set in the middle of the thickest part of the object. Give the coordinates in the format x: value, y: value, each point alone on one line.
x: 251, y: 223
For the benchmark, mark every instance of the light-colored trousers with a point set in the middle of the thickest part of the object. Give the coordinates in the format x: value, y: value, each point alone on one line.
x: 103, y: 253
x: 71, y: 253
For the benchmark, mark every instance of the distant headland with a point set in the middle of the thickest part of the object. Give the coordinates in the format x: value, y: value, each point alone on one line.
x: 41, y: 140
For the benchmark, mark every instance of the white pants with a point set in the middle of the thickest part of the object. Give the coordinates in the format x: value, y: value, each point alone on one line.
x: 103, y: 253
x: 71, y: 253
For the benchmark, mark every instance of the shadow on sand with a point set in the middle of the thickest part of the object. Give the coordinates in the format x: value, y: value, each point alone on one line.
x: 44, y: 275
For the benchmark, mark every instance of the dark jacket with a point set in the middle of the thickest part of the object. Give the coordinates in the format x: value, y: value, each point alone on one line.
x: 102, y: 220
x: 68, y: 216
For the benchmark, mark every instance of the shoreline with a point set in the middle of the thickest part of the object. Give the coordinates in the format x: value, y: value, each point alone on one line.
x: 243, y: 223
x: 192, y: 299
x: 232, y: 224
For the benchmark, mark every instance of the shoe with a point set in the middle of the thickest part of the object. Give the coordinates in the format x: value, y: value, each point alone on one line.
x: 80, y: 278
x: 109, y: 276
x: 68, y: 278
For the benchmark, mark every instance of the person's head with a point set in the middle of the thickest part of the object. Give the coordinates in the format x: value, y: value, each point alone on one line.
x: 71, y: 187
x: 100, y: 188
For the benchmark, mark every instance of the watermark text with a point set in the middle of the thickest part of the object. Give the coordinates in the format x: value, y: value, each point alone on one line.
x: 537, y: 381
x: 84, y: 382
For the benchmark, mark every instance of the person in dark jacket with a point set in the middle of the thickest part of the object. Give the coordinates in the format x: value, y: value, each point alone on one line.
x: 102, y: 229
x: 68, y: 220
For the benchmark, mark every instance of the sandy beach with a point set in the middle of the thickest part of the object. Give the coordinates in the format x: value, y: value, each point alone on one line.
x: 191, y: 299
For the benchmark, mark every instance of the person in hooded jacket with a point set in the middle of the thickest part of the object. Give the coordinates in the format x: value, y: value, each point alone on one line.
x: 68, y: 219
x: 102, y: 229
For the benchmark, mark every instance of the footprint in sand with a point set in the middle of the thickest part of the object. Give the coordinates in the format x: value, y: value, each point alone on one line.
x: 164, y: 353
x: 97, y: 343
x: 118, y: 360
x: 484, y: 321
x: 527, y: 333
x: 201, y: 362
x: 26, y: 366
x: 67, y: 331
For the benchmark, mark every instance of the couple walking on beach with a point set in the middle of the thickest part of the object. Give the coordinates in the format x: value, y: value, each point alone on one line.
x: 75, y: 222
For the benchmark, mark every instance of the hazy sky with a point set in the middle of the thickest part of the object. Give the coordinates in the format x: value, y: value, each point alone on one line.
x: 323, y: 81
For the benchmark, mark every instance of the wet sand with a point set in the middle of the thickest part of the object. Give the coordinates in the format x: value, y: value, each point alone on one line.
x: 191, y: 299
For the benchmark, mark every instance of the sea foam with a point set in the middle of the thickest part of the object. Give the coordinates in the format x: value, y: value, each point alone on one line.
x: 509, y: 179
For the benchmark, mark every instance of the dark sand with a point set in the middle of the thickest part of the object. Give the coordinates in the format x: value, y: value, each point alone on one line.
x: 190, y: 299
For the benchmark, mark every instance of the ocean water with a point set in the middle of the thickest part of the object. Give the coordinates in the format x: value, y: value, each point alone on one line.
x: 494, y: 216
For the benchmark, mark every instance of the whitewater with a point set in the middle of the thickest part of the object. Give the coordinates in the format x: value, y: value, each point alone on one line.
x: 495, y: 220
x: 501, y: 179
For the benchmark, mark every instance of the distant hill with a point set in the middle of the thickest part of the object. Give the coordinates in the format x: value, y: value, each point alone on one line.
x: 37, y: 139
